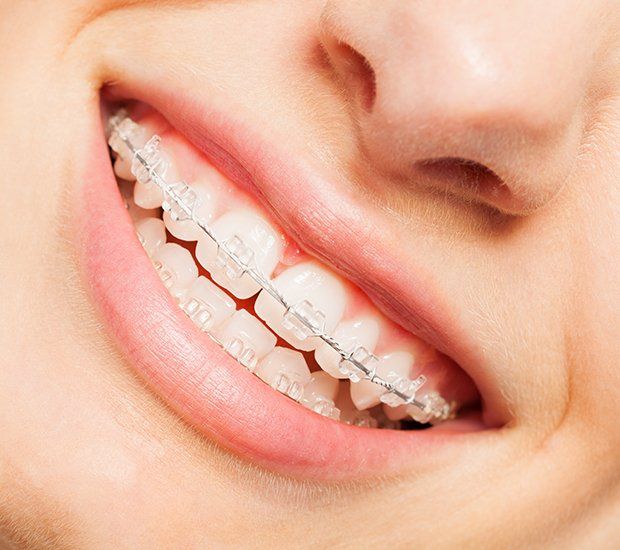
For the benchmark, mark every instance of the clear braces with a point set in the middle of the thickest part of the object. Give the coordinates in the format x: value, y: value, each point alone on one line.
x: 150, y: 166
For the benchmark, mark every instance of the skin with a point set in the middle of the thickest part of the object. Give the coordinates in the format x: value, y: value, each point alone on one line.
x: 377, y: 93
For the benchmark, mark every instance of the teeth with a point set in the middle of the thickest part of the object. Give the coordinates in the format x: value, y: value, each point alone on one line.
x: 350, y: 334
x: 285, y: 370
x: 187, y: 230
x: 314, y: 293
x: 146, y: 193
x: 138, y: 137
x: 395, y: 413
x: 434, y: 406
x: 252, y: 239
x: 135, y: 212
x: 349, y: 414
x: 365, y: 394
x: 122, y: 168
x: 316, y: 299
x: 151, y: 234
x: 320, y: 394
x: 176, y: 267
x: 206, y: 304
x: 245, y: 338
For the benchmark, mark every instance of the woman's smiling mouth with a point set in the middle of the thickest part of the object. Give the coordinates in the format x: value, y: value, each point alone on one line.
x: 176, y: 353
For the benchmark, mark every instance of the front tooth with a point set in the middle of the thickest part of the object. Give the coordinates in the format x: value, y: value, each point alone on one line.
x: 187, y: 230
x: 320, y: 394
x: 175, y: 267
x: 207, y: 305
x: 366, y: 394
x: 285, y: 370
x: 151, y: 234
x: 314, y: 293
x: 245, y: 338
x: 252, y: 239
x: 350, y: 335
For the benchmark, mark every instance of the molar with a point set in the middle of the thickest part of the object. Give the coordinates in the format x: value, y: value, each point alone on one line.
x: 245, y: 338
x: 151, y: 234
x: 176, y: 267
x: 251, y: 238
x: 312, y: 291
x: 349, y: 334
x: 187, y: 230
x: 207, y: 305
x: 366, y: 394
x: 286, y: 371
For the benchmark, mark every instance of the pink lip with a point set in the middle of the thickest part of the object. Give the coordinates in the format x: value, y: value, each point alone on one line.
x: 193, y: 375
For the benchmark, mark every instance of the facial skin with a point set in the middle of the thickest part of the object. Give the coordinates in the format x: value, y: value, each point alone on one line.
x: 389, y: 98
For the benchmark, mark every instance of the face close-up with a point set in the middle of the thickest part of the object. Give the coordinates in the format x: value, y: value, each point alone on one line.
x: 310, y: 274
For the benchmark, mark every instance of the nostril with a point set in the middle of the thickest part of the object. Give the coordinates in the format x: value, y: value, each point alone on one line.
x: 355, y: 71
x: 465, y: 176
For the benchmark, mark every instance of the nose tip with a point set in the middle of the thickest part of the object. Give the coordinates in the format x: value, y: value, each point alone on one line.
x: 444, y: 87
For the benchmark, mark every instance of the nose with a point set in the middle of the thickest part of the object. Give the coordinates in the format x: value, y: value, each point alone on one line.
x: 484, y: 100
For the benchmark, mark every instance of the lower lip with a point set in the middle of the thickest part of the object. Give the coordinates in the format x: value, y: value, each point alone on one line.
x: 205, y: 386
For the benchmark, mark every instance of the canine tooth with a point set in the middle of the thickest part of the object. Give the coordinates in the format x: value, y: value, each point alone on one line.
x: 207, y: 305
x: 252, y: 239
x: 151, y: 234
x: 320, y: 394
x: 176, y: 267
x: 187, y: 230
x: 349, y: 334
x: 314, y: 293
x: 366, y: 394
x: 286, y: 371
x: 245, y: 338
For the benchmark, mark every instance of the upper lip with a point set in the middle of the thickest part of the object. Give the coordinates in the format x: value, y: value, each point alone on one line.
x: 330, y: 225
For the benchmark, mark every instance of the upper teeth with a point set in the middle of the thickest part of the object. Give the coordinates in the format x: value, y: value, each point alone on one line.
x: 251, y: 232
x: 187, y: 230
x: 362, y: 331
x: 305, y: 283
x: 304, y: 304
